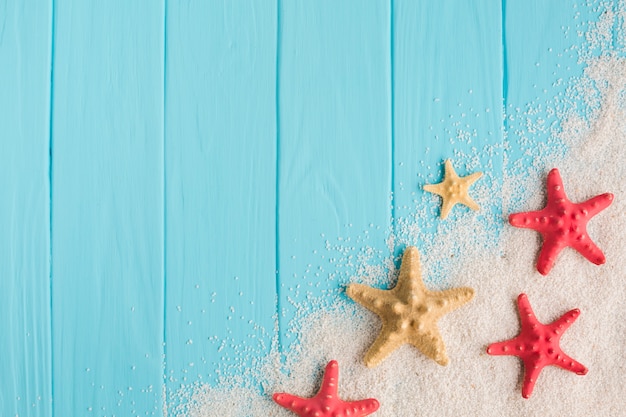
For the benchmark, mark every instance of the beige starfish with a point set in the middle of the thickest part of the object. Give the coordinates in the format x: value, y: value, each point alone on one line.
x: 409, y: 312
x: 453, y: 189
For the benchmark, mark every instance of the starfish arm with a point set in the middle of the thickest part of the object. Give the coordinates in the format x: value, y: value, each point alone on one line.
x: 547, y: 257
x: 431, y: 344
x: 569, y: 364
x: 562, y: 324
x: 446, y: 207
x: 555, y: 186
x: 434, y: 188
x: 590, y: 250
x: 449, y: 300
x: 410, y: 277
x: 532, y: 369
x: 526, y: 314
x: 506, y: 348
x: 596, y: 204
x: 361, y: 408
x: 385, y: 343
x: 449, y: 172
x: 290, y: 402
x: 330, y: 380
x: 371, y: 298
x: 525, y: 220
x: 472, y: 178
x: 469, y: 202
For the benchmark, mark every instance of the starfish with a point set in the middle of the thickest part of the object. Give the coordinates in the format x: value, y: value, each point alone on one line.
x: 563, y: 223
x: 326, y: 402
x: 409, y: 312
x: 537, y: 345
x: 453, y: 189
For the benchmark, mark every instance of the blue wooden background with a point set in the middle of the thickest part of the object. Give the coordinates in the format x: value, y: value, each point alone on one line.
x: 167, y: 167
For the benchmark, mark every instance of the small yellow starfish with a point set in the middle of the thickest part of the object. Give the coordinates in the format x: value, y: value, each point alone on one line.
x: 409, y: 312
x: 453, y: 189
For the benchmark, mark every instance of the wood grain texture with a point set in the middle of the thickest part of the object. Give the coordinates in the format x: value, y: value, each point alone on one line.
x: 334, y: 177
x: 540, y: 48
x: 211, y: 159
x: 220, y: 186
x: 107, y: 208
x: 447, y: 96
x: 25, y: 365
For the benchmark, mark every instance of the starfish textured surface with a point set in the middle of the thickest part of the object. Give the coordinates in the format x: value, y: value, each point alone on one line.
x: 409, y: 312
x: 454, y: 189
x: 326, y: 402
x: 563, y: 223
x: 538, y: 345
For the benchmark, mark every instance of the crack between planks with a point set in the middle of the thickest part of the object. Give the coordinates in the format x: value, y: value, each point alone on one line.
x: 277, y: 184
x: 392, y: 114
x: 50, y: 177
x: 164, y: 220
x: 505, y: 80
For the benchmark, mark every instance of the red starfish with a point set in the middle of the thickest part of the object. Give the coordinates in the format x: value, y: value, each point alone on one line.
x: 563, y: 223
x: 326, y: 402
x: 537, y: 345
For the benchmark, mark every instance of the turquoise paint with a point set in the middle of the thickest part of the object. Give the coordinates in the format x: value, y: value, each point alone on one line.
x: 107, y: 208
x: 25, y: 366
x: 220, y: 186
x: 541, y: 48
x: 335, y: 144
x: 447, y: 84
x: 199, y: 147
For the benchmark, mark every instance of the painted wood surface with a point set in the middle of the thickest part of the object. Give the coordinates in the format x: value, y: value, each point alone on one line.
x: 537, y: 67
x: 25, y: 366
x: 192, y: 169
x: 107, y: 208
x: 334, y: 176
x: 220, y: 165
x: 447, y: 97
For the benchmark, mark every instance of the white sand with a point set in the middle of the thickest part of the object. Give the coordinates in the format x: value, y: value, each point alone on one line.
x: 499, y: 266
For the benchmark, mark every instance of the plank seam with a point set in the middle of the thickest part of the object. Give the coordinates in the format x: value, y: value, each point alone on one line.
x: 392, y: 115
x: 50, y: 174
x: 277, y: 185
x: 164, y: 224
x: 505, y: 77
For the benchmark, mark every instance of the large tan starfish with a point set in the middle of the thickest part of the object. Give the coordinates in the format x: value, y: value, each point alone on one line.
x: 409, y: 312
x: 453, y: 189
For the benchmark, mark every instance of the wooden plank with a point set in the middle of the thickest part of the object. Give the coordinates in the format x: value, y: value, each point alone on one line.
x: 107, y: 208
x: 447, y: 101
x: 541, y: 42
x: 25, y: 365
x: 334, y: 144
x: 220, y: 187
